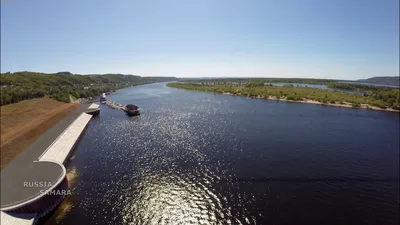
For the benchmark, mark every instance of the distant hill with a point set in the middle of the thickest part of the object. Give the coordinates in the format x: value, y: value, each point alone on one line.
x: 19, y: 86
x: 382, y: 80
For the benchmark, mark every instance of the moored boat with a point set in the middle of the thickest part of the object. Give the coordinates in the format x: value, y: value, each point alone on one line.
x: 132, y: 110
x: 103, y: 98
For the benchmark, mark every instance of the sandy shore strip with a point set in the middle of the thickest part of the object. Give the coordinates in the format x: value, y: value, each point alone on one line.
x: 309, y: 101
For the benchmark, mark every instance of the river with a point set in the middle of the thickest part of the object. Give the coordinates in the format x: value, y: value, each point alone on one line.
x: 204, y: 158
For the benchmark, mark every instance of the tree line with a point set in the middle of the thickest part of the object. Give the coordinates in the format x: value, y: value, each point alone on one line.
x: 381, y: 97
x: 61, y: 86
x: 258, y: 80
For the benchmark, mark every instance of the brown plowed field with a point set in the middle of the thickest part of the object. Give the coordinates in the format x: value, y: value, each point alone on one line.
x: 23, y: 122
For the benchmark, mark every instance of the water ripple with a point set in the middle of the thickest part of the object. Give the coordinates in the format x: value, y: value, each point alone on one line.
x: 201, y: 158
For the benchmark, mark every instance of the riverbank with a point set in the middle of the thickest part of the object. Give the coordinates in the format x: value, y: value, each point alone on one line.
x: 24, y: 122
x: 292, y: 94
x: 43, y: 163
x: 309, y: 101
x: 218, y: 151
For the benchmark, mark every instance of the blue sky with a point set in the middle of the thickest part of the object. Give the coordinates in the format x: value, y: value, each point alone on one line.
x: 342, y: 39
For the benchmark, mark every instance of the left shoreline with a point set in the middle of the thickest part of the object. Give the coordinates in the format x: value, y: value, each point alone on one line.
x: 24, y: 122
x: 42, y: 162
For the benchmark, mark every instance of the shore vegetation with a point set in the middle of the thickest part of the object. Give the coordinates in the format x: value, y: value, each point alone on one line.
x: 64, y: 86
x: 373, y: 98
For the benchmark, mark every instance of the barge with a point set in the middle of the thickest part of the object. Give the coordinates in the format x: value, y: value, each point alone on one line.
x: 132, y: 110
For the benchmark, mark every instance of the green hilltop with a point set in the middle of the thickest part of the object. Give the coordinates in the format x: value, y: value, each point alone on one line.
x: 62, y: 86
x: 382, y: 80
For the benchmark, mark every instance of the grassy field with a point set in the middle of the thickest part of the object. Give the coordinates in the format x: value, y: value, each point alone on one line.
x: 23, y: 122
x: 287, y: 93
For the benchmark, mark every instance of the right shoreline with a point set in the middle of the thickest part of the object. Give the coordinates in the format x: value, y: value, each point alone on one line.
x: 304, y: 100
x: 344, y: 105
x: 309, y: 101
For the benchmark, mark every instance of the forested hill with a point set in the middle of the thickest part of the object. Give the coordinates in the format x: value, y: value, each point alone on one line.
x: 382, y: 80
x: 63, y: 86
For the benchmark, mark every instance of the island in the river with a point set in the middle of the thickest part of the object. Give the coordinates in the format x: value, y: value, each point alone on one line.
x: 334, y: 93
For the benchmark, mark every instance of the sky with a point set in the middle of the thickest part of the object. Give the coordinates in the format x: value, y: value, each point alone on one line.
x: 335, y: 39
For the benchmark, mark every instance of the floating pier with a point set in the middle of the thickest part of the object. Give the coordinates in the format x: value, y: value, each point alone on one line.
x: 114, y: 105
x: 26, y: 196
x: 130, y: 109
x: 59, y: 150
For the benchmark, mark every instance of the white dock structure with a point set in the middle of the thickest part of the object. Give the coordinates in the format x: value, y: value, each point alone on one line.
x: 60, y: 149
x: 57, y: 152
x: 20, y: 219
x: 94, y: 106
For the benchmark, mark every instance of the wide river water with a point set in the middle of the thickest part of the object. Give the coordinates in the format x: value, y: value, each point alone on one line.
x: 204, y: 158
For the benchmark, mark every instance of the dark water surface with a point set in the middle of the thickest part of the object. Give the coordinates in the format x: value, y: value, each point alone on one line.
x: 203, y: 158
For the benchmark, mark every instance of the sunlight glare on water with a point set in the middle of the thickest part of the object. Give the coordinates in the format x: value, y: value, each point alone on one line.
x: 174, y: 195
x: 172, y: 200
x: 204, y: 158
